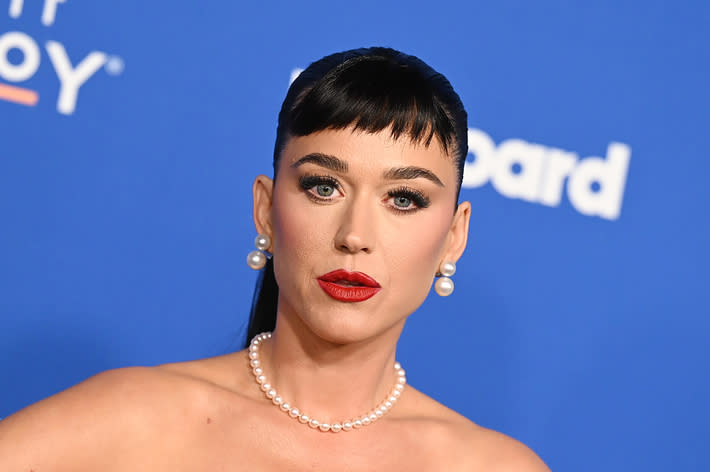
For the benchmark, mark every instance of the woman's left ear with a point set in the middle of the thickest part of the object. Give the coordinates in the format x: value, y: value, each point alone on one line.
x: 458, y: 233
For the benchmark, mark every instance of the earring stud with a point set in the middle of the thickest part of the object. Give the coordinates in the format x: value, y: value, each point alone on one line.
x: 257, y: 259
x: 444, y: 286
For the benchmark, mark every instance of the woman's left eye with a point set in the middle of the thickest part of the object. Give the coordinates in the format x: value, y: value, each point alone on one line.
x: 408, y: 200
x: 402, y: 202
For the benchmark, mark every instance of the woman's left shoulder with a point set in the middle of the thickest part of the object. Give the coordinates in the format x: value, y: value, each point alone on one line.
x: 498, y: 452
x: 468, y: 446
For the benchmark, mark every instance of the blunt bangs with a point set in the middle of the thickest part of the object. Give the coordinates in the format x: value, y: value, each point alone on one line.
x: 373, y: 90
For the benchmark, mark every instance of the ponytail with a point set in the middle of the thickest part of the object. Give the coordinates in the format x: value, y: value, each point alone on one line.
x: 263, y: 307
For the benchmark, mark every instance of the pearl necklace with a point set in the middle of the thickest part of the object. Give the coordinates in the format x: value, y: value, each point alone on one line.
x: 349, y: 425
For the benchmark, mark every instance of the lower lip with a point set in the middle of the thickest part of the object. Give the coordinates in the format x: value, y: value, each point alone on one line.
x: 347, y: 294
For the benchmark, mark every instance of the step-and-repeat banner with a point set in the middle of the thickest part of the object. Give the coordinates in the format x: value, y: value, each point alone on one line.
x: 130, y: 133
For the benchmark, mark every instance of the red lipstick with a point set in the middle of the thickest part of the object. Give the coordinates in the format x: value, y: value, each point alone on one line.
x: 347, y: 286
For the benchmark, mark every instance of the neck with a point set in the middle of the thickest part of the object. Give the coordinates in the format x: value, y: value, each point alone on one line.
x: 329, y: 381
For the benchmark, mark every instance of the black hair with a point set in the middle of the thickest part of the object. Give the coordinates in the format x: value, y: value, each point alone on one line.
x: 370, y: 89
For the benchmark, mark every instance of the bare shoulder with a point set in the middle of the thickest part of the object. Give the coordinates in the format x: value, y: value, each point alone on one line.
x: 119, y: 409
x: 502, y: 453
x: 467, y: 446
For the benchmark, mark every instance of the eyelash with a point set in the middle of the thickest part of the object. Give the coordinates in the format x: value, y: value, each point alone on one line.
x: 420, y: 200
x: 307, y: 182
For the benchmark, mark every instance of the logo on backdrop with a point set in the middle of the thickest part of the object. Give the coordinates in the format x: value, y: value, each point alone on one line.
x: 536, y: 173
x: 71, y: 76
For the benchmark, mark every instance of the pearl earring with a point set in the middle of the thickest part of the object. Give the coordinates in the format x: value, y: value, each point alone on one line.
x: 257, y: 259
x: 444, y: 286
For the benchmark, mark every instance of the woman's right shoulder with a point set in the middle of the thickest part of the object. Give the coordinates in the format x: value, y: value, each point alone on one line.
x: 111, y: 391
x: 115, y: 409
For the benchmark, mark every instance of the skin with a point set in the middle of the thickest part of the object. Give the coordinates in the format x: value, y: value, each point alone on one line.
x: 332, y: 359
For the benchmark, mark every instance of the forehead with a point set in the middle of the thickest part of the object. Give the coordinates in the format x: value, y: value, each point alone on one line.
x: 364, y: 151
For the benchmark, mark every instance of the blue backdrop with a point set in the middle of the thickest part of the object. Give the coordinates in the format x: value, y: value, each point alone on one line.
x: 130, y: 133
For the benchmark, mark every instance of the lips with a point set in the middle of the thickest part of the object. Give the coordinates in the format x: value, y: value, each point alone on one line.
x: 347, y: 286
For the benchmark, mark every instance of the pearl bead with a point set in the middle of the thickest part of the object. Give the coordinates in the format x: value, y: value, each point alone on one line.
x: 253, y: 355
x: 261, y: 379
x: 378, y: 414
x: 447, y: 268
x: 256, y: 260
x: 258, y: 371
x: 373, y: 417
x: 324, y: 427
x: 265, y: 387
x: 397, y: 366
x: 277, y: 400
x: 365, y: 420
x: 262, y: 242
x: 357, y: 423
x: 293, y: 413
x: 397, y: 392
x: 304, y: 419
x: 271, y: 393
x: 402, y: 380
x: 336, y: 427
x: 285, y: 406
x: 255, y: 362
x: 444, y: 286
x: 313, y: 423
x: 347, y: 426
x: 388, y: 404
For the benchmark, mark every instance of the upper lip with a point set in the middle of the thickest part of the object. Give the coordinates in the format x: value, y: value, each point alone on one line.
x: 342, y: 275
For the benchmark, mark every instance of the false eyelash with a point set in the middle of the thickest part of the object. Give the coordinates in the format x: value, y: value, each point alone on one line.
x: 419, y: 199
x: 309, y: 181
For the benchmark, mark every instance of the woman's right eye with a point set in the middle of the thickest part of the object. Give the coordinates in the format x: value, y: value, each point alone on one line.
x: 325, y: 190
x: 319, y: 187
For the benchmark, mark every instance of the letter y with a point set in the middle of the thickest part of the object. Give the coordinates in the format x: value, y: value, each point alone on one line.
x: 70, y: 78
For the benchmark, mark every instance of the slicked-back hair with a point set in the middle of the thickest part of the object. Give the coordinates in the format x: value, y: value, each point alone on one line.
x: 371, y: 90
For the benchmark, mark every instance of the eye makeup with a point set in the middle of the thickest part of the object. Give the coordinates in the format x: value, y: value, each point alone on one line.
x: 321, y: 188
x: 414, y: 196
x: 320, y: 182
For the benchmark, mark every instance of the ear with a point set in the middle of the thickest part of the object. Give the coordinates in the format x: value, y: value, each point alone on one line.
x: 263, y: 191
x: 458, y: 233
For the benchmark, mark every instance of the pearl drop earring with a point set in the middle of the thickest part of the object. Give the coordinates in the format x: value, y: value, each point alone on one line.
x: 444, y: 286
x: 257, y: 259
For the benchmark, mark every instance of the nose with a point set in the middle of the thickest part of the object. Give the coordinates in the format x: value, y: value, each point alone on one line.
x: 356, y: 230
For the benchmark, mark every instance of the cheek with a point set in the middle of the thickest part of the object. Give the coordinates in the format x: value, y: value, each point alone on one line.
x: 297, y: 237
x: 417, y: 251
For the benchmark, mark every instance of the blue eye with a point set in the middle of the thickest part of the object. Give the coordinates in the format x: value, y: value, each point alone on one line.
x: 320, y: 187
x: 402, y: 202
x: 325, y: 190
x: 407, y: 200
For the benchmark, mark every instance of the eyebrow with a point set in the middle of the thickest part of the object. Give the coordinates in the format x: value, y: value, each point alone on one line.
x: 405, y: 173
x: 323, y: 160
x: 396, y: 173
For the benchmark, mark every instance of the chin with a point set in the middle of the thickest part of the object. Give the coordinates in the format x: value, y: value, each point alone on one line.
x: 349, y: 326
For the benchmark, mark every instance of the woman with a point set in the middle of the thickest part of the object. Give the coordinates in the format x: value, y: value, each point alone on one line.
x: 360, y: 217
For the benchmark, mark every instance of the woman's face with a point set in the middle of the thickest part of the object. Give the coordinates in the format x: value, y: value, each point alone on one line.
x: 359, y: 224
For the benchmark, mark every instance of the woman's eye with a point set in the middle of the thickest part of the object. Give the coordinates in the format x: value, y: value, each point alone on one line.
x: 402, y: 202
x: 325, y: 190
x: 408, y: 200
x: 319, y: 187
